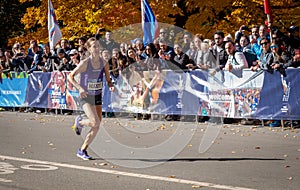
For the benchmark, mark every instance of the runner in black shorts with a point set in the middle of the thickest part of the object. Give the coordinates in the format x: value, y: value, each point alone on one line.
x: 92, y: 70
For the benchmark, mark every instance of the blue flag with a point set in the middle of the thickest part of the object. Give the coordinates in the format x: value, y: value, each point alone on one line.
x: 149, y: 23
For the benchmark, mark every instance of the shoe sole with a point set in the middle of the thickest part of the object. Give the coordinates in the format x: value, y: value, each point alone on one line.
x: 79, y: 156
x: 76, y: 126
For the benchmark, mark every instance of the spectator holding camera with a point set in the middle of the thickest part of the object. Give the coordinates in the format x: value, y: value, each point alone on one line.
x: 21, y: 61
x: 166, y: 54
x: 240, y: 33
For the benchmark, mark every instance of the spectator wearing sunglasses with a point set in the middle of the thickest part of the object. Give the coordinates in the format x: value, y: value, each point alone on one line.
x: 279, y: 58
x: 163, y: 36
x: 74, y: 60
x: 266, y: 57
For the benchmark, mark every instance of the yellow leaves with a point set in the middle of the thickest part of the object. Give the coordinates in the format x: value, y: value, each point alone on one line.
x: 229, y: 15
x: 23, y: 1
x: 196, y: 186
x: 82, y: 17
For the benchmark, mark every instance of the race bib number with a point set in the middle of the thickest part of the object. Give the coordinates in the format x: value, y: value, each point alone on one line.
x: 94, y: 86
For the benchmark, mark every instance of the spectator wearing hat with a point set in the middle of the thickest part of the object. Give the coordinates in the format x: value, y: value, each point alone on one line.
x: 278, y: 37
x: 74, y: 60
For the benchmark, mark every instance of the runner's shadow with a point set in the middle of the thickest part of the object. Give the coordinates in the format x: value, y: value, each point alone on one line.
x: 193, y: 159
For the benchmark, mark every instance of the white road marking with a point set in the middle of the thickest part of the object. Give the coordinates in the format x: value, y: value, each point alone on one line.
x: 6, y: 168
x: 128, y: 174
x: 5, y: 180
x: 39, y: 167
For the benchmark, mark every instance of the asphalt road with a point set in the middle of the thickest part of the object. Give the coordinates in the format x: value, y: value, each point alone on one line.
x: 38, y: 151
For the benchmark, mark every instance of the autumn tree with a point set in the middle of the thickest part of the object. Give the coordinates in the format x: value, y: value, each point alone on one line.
x: 11, y: 12
x: 229, y: 15
x: 78, y: 17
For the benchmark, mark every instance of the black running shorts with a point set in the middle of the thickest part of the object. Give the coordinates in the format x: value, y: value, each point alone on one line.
x: 92, y: 99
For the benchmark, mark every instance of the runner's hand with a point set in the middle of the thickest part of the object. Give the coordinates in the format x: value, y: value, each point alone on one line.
x: 82, y: 93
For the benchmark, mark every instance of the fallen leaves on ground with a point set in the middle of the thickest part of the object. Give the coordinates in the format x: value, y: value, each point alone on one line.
x: 196, y: 186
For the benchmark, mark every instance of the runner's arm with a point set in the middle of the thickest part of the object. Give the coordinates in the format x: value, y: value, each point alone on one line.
x: 81, y: 67
x: 107, y: 74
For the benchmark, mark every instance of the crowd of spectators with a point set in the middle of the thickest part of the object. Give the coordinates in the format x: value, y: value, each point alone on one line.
x: 257, y: 48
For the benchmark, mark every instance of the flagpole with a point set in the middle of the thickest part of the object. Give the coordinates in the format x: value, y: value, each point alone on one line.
x: 54, y: 32
x: 268, y: 12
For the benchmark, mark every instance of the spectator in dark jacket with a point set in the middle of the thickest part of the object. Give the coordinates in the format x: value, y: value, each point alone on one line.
x: 61, y: 60
x: 37, y: 60
x: 219, y: 53
x: 181, y: 60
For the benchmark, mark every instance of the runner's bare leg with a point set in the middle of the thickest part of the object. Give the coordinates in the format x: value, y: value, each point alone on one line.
x: 94, y: 117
